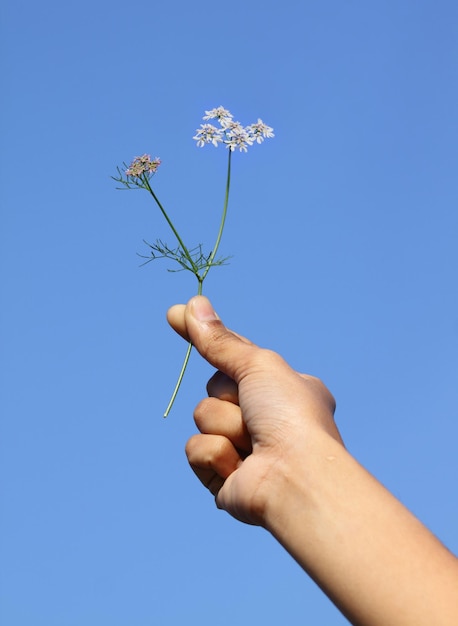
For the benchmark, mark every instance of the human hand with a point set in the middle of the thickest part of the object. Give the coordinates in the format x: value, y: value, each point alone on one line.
x: 270, y: 452
x: 260, y: 419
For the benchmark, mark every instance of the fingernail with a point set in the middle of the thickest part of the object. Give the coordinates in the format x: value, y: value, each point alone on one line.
x: 203, y: 310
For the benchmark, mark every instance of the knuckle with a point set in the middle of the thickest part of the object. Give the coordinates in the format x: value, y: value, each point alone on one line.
x: 222, y: 387
x: 202, y: 412
x: 191, y: 448
x: 322, y: 390
x: 271, y: 358
x: 260, y: 361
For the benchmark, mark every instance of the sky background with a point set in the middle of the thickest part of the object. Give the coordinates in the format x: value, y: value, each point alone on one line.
x: 343, y: 231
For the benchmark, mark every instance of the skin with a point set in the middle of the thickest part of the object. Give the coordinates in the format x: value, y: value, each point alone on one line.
x: 271, y: 454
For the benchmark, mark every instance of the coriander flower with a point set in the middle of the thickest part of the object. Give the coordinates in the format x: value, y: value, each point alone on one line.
x: 260, y: 131
x: 231, y: 133
x: 231, y: 126
x: 207, y: 133
x: 238, y: 138
x: 219, y: 127
x: 220, y: 113
x: 143, y: 165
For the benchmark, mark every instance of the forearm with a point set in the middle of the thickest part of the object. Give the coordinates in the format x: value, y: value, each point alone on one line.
x: 371, y: 556
x: 270, y: 452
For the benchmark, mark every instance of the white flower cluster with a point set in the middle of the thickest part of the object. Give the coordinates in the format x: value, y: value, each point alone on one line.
x: 231, y: 133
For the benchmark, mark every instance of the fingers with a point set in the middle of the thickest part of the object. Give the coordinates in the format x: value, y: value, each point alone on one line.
x: 219, y: 417
x: 222, y: 445
x: 197, y: 322
x: 224, y: 440
x: 213, y: 458
x: 175, y: 317
x: 222, y: 387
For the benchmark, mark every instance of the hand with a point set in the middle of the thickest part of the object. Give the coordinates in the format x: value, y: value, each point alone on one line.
x: 271, y: 454
x: 261, y: 415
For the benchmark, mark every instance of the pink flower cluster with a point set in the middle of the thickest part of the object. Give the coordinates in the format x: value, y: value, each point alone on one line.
x: 143, y: 165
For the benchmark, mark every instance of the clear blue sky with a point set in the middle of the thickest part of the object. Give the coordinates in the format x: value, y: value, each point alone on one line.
x: 343, y: 231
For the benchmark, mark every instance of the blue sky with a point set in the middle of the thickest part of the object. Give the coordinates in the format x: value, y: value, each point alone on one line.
x: 343, y: 233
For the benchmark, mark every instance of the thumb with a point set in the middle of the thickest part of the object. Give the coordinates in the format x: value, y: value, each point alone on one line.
x: 198, y: 323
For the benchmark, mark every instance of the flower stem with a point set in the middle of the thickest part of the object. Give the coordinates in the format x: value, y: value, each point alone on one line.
x: 223, y: 219
x: 185, y: 364
x: 180, y: 378
x: 200, y: 277
x: 174, y: 230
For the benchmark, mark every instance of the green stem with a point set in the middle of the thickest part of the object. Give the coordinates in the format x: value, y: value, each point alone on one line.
x: 223, y: 219
x: 184, y: 366
x: 200, y: 277
x: 174, y: 230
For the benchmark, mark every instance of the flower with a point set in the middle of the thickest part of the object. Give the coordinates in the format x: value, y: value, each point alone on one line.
x: 219, y: 127
x: 231, y: 133
x: 239, y: 138
x: 207, y: 133
x: 231, y: 126
x: 260, y: 131
x: 220, y: 113
x: 143, y: 165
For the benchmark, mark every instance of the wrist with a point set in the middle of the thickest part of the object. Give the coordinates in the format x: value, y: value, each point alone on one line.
x: 298, y: 481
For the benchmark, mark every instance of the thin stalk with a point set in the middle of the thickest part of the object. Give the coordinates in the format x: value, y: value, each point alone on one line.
x: 174, y: 230
x: 200, y: 277
x: 223, y: 219
x: 184, y: 366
